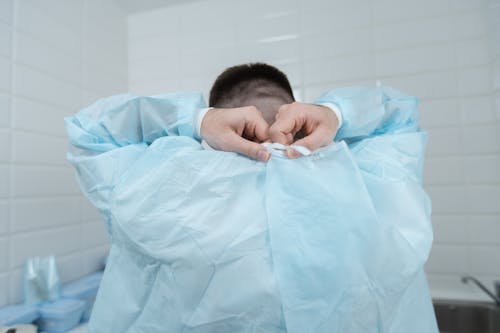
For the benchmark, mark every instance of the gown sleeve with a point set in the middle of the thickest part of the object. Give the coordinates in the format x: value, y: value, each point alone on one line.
x: 107, y: 137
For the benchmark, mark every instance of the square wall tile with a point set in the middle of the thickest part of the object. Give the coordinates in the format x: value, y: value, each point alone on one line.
x: 349, y: 15
x: 473, y: 81
x: 88, y: 210
x: 450, y: 229
x: 481, y: 139
x: 444, y: 141
x: 29, y: 181
x: 477, y: 110
x: 37, y: 148
x: 447, y: 259
x: 414, y: 60
x: 38, y: 116
x: 426, y: 86
x: 4, y: 287
x: 15, y: 286
x: 483, y: 259
x: 473, y: 52
x: 413, y: 33
x: 4, y: 145
x: 6, y: 10
x: 5, y: 39
x: 443, y: 170
x: 448, y: 199
x: 94, y: 234
x: 483, y: 199
x: 58, y: 242
x: 68, y: 13
x: 484, y: 229
x: 4, y: 111
x: 397, y: 10
x: 37, y: 22
x: 42, y: 56
x: 4, y: 249
x: 358, y: 41
x: 469, y: 24
x: 4, y: 181
x: 5, y: 74
x: 70, y: 267
x: 45, y: 88
x: 440, y: 113
x: 41, y: 213
x: 338, y: 69
x: 482, y: 169
x: 95, y: 258
x: 4, y: 216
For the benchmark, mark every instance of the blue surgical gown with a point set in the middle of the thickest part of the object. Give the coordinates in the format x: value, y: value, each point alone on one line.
x: 211, y: 241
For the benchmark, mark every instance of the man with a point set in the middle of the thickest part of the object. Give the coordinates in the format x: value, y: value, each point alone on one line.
x: 209, y: 241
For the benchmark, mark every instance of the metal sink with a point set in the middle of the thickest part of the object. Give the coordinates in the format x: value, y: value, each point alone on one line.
x: 467, y: 317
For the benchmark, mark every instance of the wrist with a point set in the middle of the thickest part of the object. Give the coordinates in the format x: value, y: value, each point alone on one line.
x: 198, y: 121
x: 336, y: 110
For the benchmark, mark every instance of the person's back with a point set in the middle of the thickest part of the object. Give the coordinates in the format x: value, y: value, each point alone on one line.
x: 210, y: 241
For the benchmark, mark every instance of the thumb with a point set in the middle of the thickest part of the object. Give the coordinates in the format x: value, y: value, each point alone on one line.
x: 318, y: 138
x: 260, y: 128
x: 236, y: 143
x: 282, y: 131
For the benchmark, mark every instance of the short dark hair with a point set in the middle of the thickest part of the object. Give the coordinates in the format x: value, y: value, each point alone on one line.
x: 237, y: 83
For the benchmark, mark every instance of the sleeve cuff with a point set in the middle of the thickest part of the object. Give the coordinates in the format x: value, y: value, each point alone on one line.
x: 198, y: 119
x: 335, y: 109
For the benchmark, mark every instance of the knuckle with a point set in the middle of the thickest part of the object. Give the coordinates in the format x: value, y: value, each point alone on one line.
x: 295, y: 105
x: 283, y: 108
x: 273, y: 130
x: 253, y: 113
x: 309, y: 145
x: 252, y: 109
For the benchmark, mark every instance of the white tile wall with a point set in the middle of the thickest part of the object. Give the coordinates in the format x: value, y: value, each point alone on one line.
x: 55, y: 57
x: 446, y: 52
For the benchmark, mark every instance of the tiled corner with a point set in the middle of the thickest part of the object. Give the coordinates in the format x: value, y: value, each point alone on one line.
x: 42, y: 61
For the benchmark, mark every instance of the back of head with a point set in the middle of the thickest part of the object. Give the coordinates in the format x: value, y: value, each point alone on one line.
x: 258, y: 84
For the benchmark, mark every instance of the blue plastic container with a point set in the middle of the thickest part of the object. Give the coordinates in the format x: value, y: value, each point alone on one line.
x: 18, y: 314
x: 84, y: 289
x: 60, y: 316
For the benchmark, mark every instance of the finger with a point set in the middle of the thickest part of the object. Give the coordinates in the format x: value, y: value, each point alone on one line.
x: 318, y: 138
x: 285, y: 127
x: 260, y: 127
x: 238, y: 144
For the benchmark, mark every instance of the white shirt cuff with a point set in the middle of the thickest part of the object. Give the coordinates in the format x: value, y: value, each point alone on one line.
x: 335, y: 110
x: 198, y: 119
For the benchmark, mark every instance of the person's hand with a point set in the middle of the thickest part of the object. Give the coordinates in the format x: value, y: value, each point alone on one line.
x: 238, y: 130
x: 309, y: 125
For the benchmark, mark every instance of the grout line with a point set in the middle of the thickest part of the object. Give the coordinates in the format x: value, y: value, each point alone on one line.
x: 475, y: 244
x: 301, y: 64
x: 42, y: 164
x: 64, y: 196
x: 13, y: 46
x: 474, y: 185
x: 41, y: 229
x: 455, y: 214
x: 56, y: 78
x: 461, y: 184
x: 47, y: 228
x: 46, y: 196
x: 41, y: 133
x: 83, y: 36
